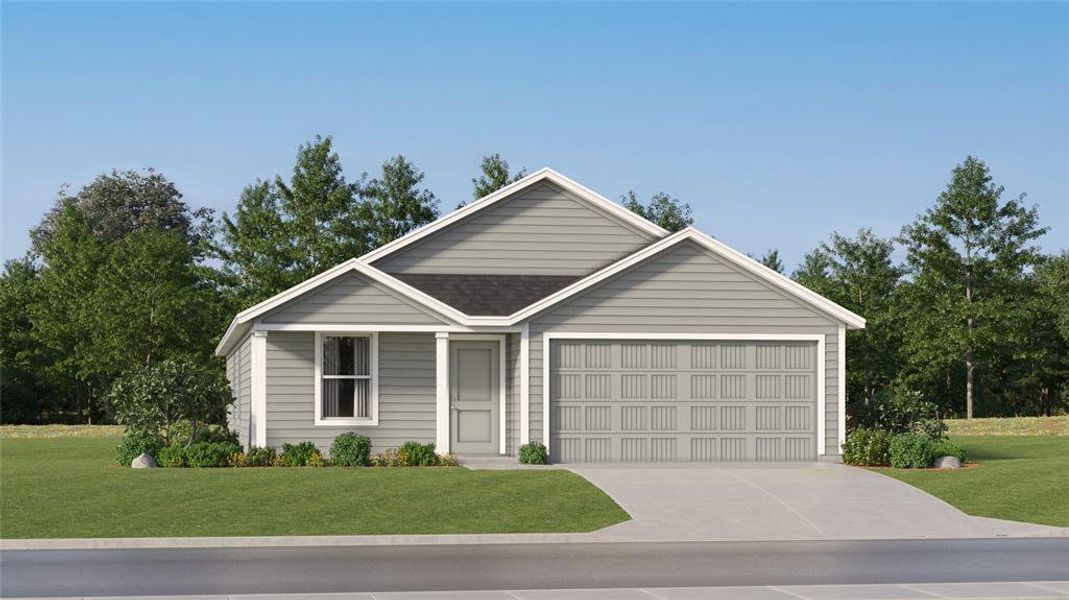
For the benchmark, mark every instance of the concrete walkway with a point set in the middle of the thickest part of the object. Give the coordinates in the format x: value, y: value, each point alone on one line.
x: 783, y: 502
x: 950, y: 591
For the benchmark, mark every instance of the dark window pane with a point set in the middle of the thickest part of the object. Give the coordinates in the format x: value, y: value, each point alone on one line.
x: 338, y: 397
x: 363, y: 398
x: 339, y: 355
x: 362, y: 358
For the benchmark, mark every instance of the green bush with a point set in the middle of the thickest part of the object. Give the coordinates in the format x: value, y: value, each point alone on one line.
x: 870, y: 447
x: 948, y: 448
x: 420, y: 455
x: 134, y: 444
x: 390, y: 457
x: 534, y: 453
x: 351, y: 450
x: 898, y: 411
x: 911, y: 451
x: 211, y: 454
x: 259, y: 457
x: 297, y: 455
x: 172, y: 456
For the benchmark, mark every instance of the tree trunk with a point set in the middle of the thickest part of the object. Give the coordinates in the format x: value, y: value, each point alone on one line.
x: 969, y: 366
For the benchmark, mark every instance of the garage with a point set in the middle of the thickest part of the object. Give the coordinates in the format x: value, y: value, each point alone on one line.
x: 702, y: 400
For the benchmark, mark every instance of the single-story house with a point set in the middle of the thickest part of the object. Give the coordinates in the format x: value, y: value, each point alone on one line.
x: 546, y: 312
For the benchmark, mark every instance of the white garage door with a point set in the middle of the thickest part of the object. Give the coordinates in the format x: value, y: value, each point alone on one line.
x: 667, y: 401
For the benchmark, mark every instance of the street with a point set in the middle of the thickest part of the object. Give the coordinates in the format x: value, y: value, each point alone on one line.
x: 526, y: 566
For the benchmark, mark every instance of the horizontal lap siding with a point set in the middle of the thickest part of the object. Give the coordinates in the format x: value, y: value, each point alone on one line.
x: 351, y: 298
x: 406, y: 391
x: 541, y: 231
x: 686, y: 290
x: 239, y: 375
x: 512, y: 388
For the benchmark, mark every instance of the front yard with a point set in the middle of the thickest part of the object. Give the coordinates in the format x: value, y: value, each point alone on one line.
x: 1016, y: 477
x: 69, y: 486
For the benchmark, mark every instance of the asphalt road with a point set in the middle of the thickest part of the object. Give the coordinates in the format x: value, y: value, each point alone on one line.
x: 526, y: 566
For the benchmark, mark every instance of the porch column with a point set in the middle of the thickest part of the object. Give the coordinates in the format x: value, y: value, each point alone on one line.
x: 258, y: 389
x: 441, y: 440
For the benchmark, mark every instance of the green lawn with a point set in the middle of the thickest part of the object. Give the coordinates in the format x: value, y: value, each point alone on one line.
x: 1020, y: 478
x: 70, y: 487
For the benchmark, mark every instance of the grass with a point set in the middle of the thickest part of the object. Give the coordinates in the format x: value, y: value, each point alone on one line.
x: 59, y: 431
x: 1017, y: 477
x: 1010, y: 426
x: 70, y: 487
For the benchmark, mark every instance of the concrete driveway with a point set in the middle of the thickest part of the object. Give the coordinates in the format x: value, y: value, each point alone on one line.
x: 782, y: 502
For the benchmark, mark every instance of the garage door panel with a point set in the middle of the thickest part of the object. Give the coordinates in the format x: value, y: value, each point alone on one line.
x: 682, y: 401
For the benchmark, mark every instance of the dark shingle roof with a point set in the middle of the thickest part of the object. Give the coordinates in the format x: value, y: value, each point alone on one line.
x: 487, y: 295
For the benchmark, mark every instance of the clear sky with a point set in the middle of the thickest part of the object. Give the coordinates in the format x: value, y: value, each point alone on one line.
x: 778, y: 123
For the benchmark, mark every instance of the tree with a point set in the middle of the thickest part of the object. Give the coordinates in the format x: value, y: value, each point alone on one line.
x: 860, y: 274
x: 668, y: 212
x: 772, y: 260
x: 968, y: 256
x: 394, y: 203
x: 117, y: 203
x: 495, y: 175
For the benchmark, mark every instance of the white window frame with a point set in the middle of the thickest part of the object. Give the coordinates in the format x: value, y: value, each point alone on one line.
x: 373, y: 400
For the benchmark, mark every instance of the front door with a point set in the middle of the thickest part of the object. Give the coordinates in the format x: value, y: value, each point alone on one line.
x: 474, y: 397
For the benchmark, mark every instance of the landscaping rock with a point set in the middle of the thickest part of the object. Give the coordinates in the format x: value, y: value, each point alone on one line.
x: 946, y: 462
x: 144, y: 461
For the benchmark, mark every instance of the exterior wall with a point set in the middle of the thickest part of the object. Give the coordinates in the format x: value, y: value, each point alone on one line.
x: 512, y: 399
x: 406, y: 391
x: 686, y: 290
x: 541, y: 231
x: 239, y: 375
x: 351, y: 299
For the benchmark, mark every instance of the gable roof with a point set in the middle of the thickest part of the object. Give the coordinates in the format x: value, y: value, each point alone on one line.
x: 732, y: 256
x: 541, y: 175
x: 487, y: 295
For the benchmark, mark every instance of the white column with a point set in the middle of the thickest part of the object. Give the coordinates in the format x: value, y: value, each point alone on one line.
x: 525, y: 384
x: 822, y: 397
x: 258, y: 389
x: 441, y: 440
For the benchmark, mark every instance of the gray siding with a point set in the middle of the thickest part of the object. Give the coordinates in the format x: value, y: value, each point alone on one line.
x: 541, y: 231
x: 512, y: 390
x: 239, y: 375
x: 686, y: 290
x: 406, y: 391
x: 352, y: 298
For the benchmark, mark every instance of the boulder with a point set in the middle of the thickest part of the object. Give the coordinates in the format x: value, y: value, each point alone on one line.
x: 144, y: 461
x: 946, y: 462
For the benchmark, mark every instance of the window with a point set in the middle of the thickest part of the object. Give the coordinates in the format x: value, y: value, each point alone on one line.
x: 346, y: 390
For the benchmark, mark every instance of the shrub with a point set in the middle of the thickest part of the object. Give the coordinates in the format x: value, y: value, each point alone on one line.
x: 534, y: 453
x: 259, y: 457
x: 134, y: 444
x: 156, y: 398
x: 898, y: 411
x: 448, y: 460
x: 419, y: 455
x: 870, y: 447
x: 297, y: 455
x: 351, y: 450
x: 315, y: 459
x: 172, y: 456
x: 948, y: 448
x: 911, y: 451
x: 210, y: 454
x: 391, y: 457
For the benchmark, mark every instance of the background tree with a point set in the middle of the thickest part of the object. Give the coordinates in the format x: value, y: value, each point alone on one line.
x: 860, y: 274
x: 968, y: 257
x: 772, y: 260
x: 668, y: 212
x: 27, y: 395
x: 394, y: 203
x: 495, y: 174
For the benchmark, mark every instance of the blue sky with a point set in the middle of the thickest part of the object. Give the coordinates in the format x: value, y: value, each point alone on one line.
x: 778, y: 123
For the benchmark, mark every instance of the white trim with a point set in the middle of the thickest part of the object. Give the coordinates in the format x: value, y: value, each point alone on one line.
x: 258, y: 389
x: 441, y: 392
x: 525, y: 384
x: 733, y: 256
x: 822, y: 397
x: 359, y: 328
x: 841, y: 381
x: 544, y: 174
x: 373, y: 408
x: 549, y: 336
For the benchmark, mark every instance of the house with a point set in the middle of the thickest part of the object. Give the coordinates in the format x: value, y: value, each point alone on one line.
x: 545, y: 312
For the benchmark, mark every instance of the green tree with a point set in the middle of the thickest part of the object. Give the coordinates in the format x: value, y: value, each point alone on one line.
x: 394, y: 203
x: 495, y: 174
x: 968, y: 257
x: 772, y: 260
x: 668, y: 212
x: 860, y: 274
